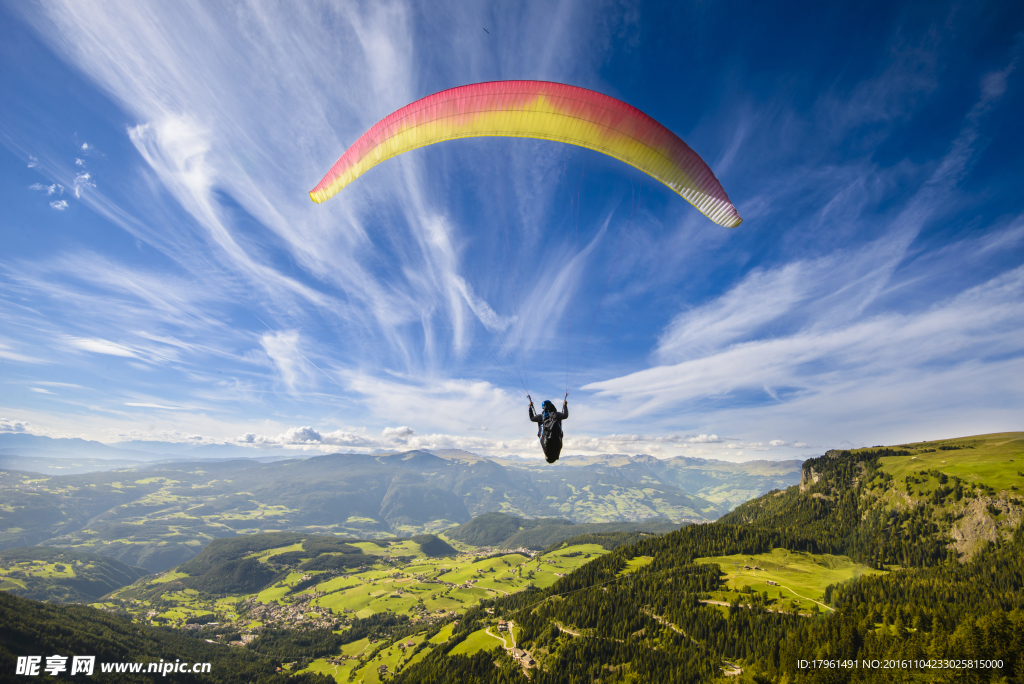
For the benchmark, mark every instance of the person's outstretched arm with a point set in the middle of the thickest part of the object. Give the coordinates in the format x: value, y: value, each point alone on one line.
x: 533, y: 416
x: 564, y: 413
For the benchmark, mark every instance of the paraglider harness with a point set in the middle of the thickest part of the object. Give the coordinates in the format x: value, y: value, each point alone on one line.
x: 549, y: 429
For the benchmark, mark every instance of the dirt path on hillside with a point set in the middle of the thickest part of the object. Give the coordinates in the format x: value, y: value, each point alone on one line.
x: 504, y: 644
x: 808, y: 599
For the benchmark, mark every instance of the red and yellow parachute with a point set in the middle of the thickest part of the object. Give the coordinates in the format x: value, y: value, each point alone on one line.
x: 538, y: 109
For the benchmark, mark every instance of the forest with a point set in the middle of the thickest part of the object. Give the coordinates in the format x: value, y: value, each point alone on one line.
x: 932, y: 605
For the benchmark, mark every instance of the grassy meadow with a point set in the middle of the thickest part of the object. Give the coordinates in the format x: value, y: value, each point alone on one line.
x: 995, y: 460
x: 798, y: 576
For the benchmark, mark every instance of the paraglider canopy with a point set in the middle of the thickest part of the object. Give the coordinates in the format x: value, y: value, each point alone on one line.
x: 538, y: 109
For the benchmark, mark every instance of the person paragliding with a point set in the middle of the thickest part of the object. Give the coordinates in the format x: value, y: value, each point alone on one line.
x: 544, y: 111
x: 549, y: 427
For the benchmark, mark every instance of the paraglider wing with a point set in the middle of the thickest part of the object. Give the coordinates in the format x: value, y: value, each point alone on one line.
x: 538, y: 109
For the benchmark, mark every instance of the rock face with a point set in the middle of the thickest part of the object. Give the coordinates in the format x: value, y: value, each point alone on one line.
x: 978, y: 527
x: 808, y: 477
x: 973, y: 530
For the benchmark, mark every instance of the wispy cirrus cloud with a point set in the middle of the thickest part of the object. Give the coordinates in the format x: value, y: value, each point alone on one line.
x: 7, y: 353
x: 283, y: 349
x: 143, y: 404
x: 49, y: 383
x: 98, y: 346
x: 808, y: 329
x: 824, y: 364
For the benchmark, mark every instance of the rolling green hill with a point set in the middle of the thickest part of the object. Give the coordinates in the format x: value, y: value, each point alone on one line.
x: 512, y: 532
x: 47, y: 573
x: 542, y: 537
x: 433, y: 546
x: 492, y: 529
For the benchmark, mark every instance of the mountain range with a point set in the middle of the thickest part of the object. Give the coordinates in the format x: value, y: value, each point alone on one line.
x: 160, y: 513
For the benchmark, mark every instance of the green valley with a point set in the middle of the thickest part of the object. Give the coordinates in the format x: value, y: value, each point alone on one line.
x: 890, y: 552
x: 217, y: 595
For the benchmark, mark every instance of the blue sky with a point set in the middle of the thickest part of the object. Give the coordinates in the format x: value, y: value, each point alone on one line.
x: 165, y: 276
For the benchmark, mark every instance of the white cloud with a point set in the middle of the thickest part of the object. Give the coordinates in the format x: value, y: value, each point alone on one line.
x: 804, y: 331
x: 784, y: 443
x: 79, y: 162
x: 300, y: 435
x: 438, y: 404
x: 283, y: 350
x: 90, y: 281
x: 989, y: 317
x: 177, y: 148
x: 86, y: 147
x: 760, y: 298
x: 13, y: 425
x: 99, y: 346
x: 6, y: 353
x: 306, y: 435
x: 405, y: 438
x: 398, y: 432
x: 32, y: 162
x: 82, y: 180
x: 50, y: 189
x: 151, y: 405
x: 59, y: 205
x: 40, y: 390
x: 704, y: 439
x: 346, y: 438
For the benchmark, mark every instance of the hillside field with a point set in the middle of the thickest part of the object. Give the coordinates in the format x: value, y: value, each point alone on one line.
x: 403, y: 580
x: 798, y: 575
x: 62, y: 575
x: 996, y: 460
x: 490, y: 577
